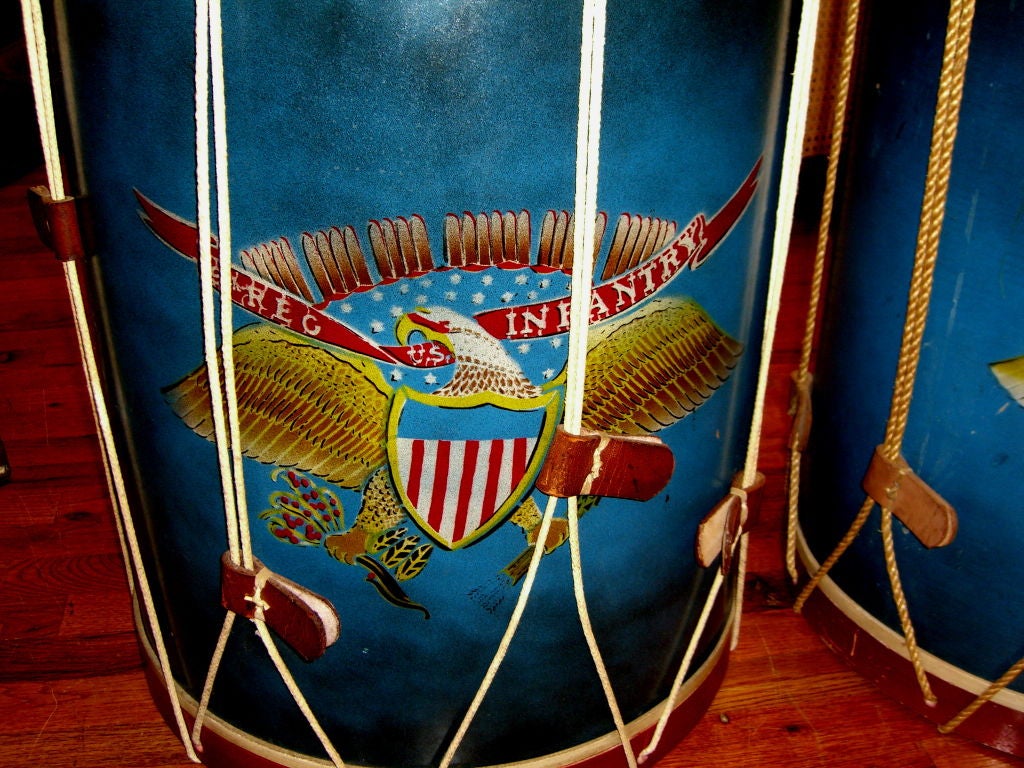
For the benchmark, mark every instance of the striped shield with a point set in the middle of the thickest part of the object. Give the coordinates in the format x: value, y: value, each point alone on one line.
x: 462, y: 465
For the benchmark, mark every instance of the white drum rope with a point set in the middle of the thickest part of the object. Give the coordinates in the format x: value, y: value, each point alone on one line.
x: 792, y: 156
x: 506, y: 640
x: 224, y: 276
x: 677, y: 684
x: 206, y: 280
x: 203, y: 707
x: 63, y: 55
x: 789, y: 180
x: 39, y: 65
x: 213, y: 375
x: 223, y: 400
x: 588, y: 139
x: 35, y: 44
x: 588, y: 154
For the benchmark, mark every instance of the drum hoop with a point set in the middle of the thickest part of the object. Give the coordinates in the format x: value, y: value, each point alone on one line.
x: 893, y: 641
x: 594, y: 748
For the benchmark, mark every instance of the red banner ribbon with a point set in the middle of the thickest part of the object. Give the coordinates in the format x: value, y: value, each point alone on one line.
x: 690, y: 249
x: 528, y: 321
x: 282, y: 308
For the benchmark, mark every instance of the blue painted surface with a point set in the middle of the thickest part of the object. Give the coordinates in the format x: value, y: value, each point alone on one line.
x: 343, y: 112
x: 965, y: 436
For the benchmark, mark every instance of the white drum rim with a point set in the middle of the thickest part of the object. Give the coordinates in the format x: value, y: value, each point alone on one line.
x: 893, y: 641
x: 588, y: 750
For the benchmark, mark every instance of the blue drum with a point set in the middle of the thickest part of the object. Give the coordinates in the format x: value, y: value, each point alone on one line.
x: 402, y: 181
x: 965, y: 428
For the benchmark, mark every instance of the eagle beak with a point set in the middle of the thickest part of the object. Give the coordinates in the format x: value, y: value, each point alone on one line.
x: 418, y: 322
x: 433, y: 325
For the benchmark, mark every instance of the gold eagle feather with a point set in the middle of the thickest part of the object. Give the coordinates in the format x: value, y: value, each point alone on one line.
x: 654, y: 367
x: 300, y: 405
x: 324, y: 410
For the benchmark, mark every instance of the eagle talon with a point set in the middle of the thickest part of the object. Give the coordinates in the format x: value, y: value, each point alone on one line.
x: 558, y: 534
x: 347, y: 546
x: 393, y: 548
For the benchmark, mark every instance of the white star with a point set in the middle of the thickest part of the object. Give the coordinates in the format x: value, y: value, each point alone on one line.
x: 396, y: 375
x: 544, y: 283
x: 426, y: 282
x: 521, y: 279
x: 556, y: 342
x: 487, y: 279
x: 403, y: 288
x: 531, y: 295
x: 450, y: 295
x: 346, y: 308
x: 548, y: 373
x: 523, y: 348
x: 430, y: 379
x: 507, y: 296
x: 377, y: 296
x: 455, y: 278
x: 422, y: 299
x: 396, y: 311
x: 376, y: 326
x: 477, y: 298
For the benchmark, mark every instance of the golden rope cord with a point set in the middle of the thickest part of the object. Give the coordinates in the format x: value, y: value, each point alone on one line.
x: 900, y: 600
x: 947, y: 111
x: 841, y: 547
x: 851, y: 21
x: 1008, y: 677
x: 933, y: 209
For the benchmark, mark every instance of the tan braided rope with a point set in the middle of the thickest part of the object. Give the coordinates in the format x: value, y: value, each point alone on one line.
x: 1008, y: 677
x: 793, y: 503
x: 903, y: 610
x: 851, y: 19
x: 933, y: 207
x: 841, y: 547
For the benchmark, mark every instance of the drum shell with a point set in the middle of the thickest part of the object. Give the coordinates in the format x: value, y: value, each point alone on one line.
x: 338, y: 117
x: 963, y: 435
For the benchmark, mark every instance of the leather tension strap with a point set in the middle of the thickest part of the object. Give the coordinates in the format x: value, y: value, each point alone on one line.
x: 728, y: 520
x: 59, y: 224
x: 303, y: 619
x: 894, y: 485
x: 600, y: 464
x: 800, y: 410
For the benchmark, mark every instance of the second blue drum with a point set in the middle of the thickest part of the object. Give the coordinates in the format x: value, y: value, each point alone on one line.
x: 965, y: 428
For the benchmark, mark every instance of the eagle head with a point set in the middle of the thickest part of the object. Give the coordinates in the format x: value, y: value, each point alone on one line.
x: 481, y: 363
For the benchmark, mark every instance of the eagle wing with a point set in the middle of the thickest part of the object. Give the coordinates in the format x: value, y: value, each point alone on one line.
x: 647, y: 371
x: 300, y: 405
x: 1010, y: 374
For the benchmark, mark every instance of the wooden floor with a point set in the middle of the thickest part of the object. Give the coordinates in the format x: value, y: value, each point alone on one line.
x: 71, y: 687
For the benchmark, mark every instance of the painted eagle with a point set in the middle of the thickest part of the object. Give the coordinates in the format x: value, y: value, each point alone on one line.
x: 324, y: 410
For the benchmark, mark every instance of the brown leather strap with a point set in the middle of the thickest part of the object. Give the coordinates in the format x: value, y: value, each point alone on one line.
x: 722, y: 527
x: 59, y: 223
x: 894, y: 485
x: 800, y: 410
x: 599, y: 464
x: 303, y: 619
